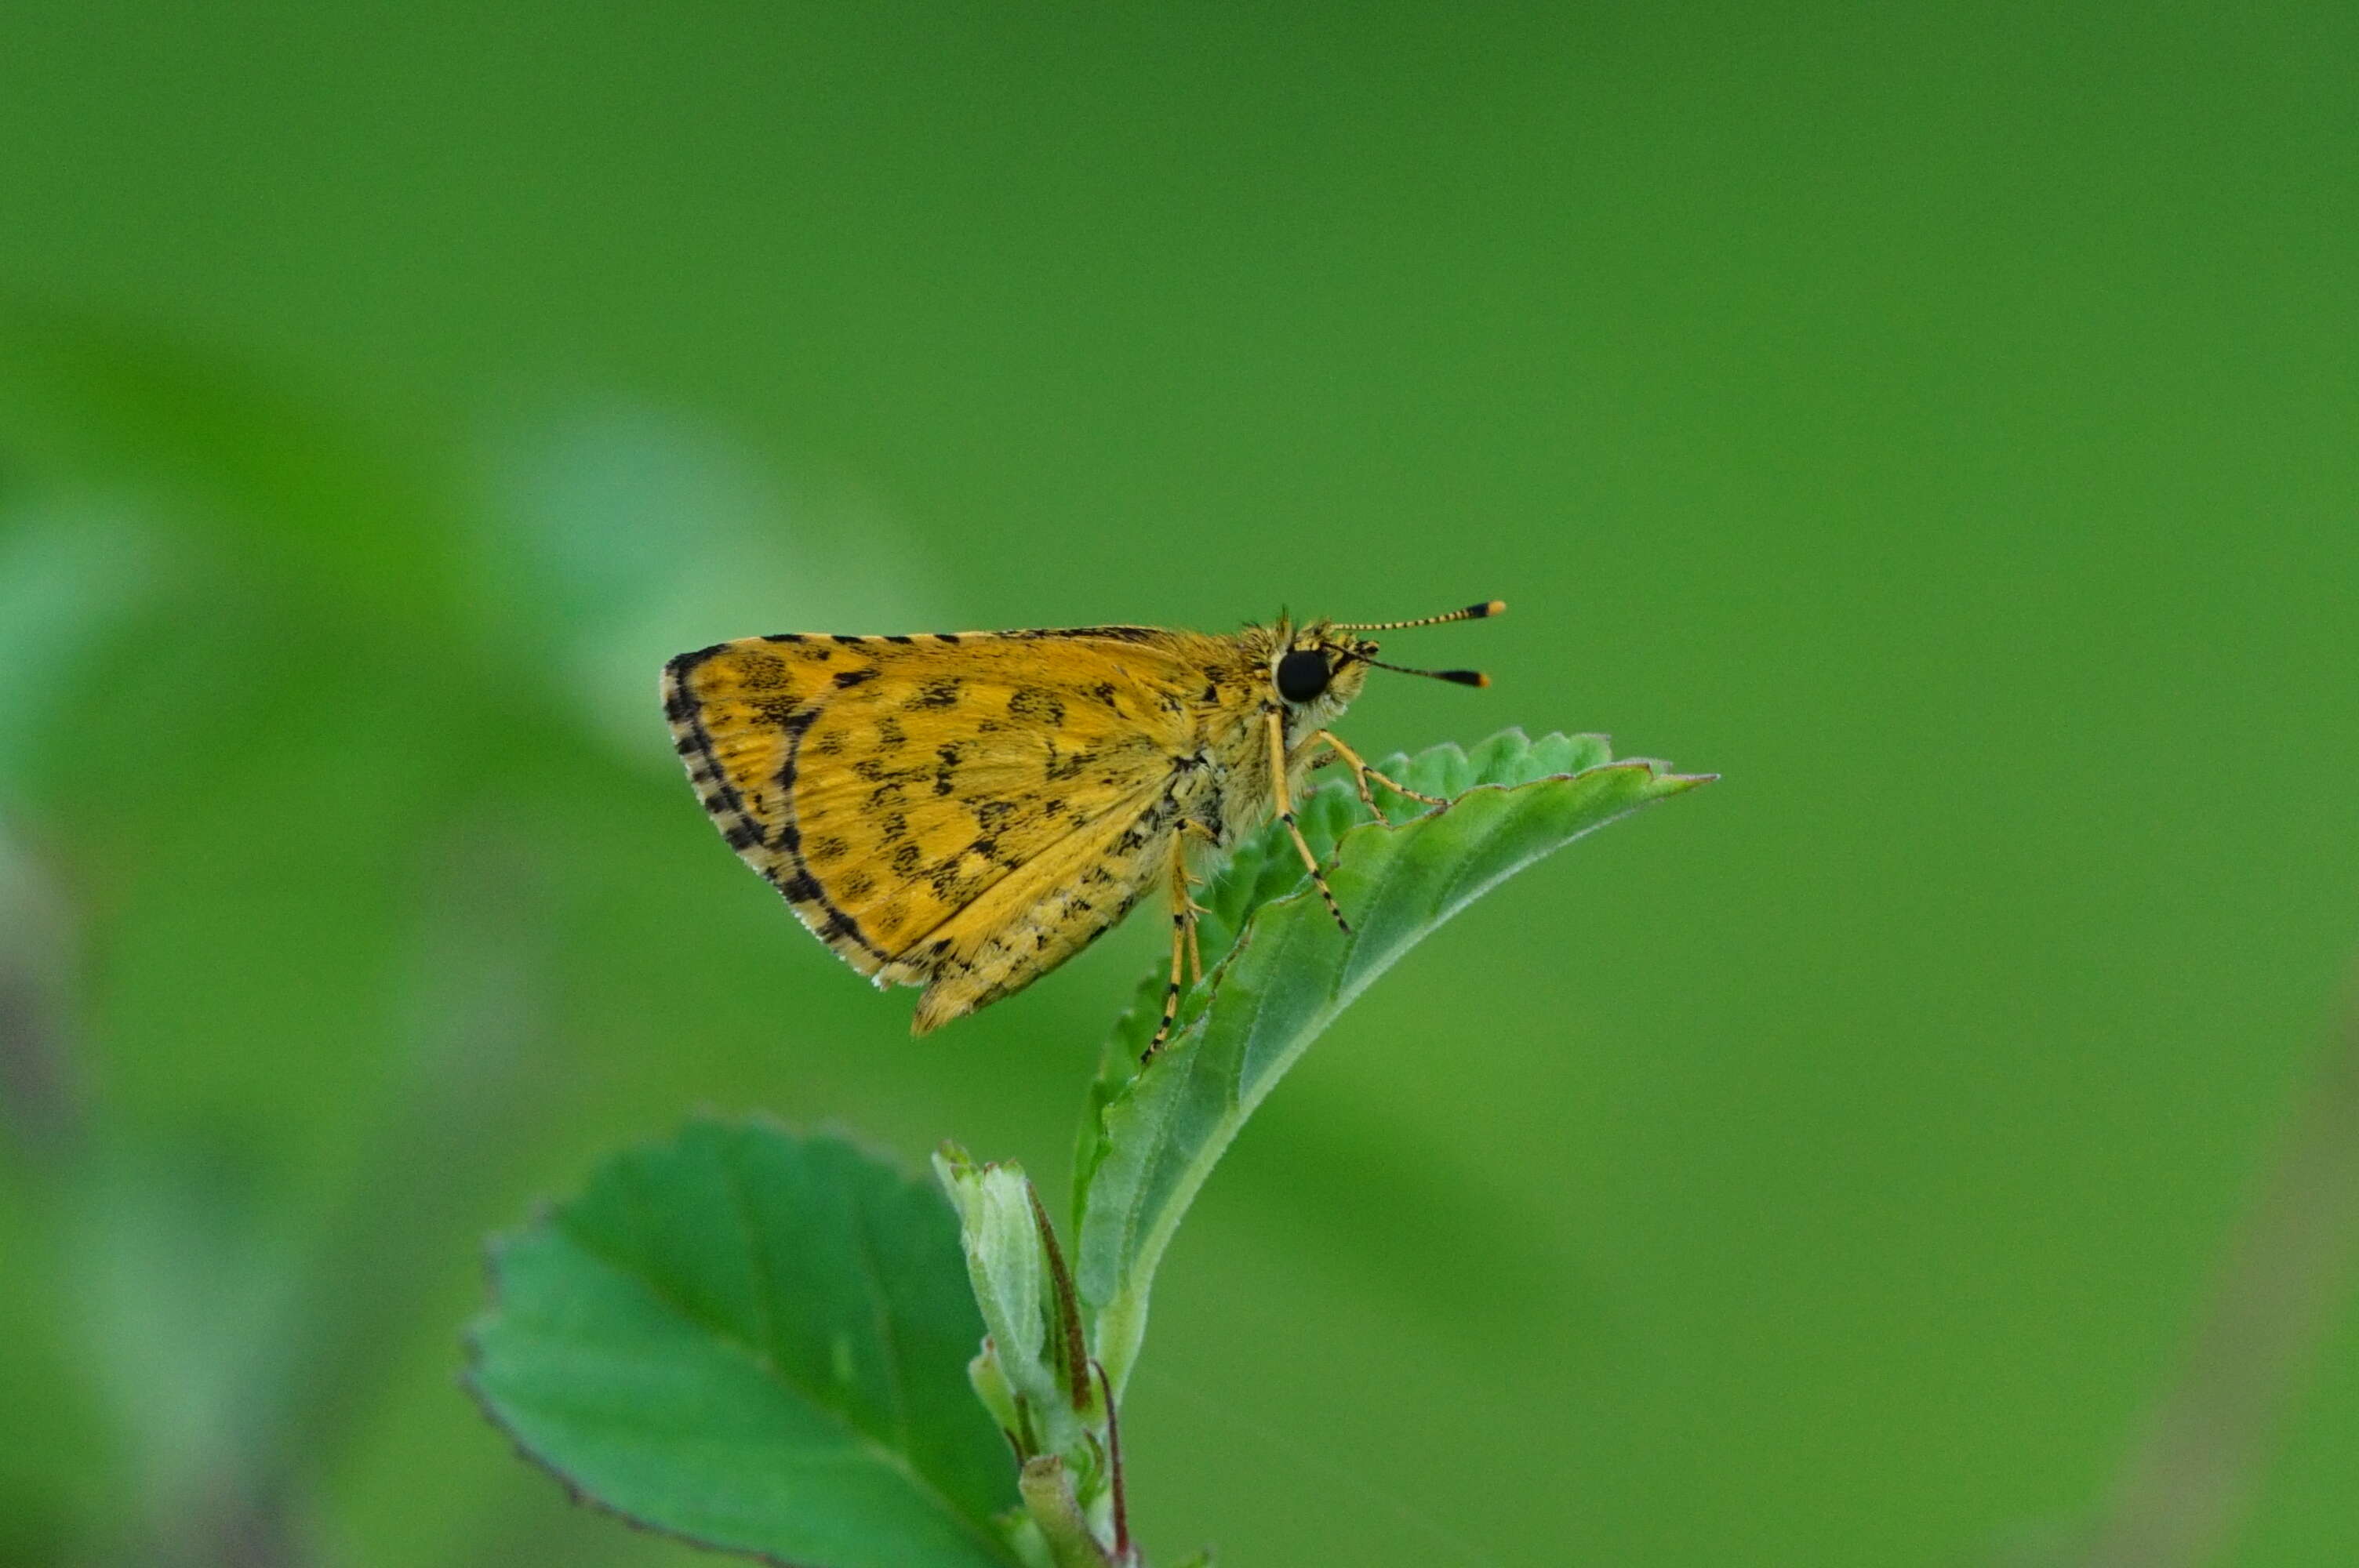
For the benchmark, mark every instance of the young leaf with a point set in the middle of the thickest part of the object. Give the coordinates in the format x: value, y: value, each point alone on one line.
x: 757, y: 1342
x: 1153, y: 1136
x: 1033, y: 1345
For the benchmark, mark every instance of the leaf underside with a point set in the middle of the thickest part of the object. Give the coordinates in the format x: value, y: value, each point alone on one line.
x: 757, y: 1342
x: 1151, y: 1138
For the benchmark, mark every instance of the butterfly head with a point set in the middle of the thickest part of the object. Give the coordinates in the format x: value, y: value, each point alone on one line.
x: 1317, y: 669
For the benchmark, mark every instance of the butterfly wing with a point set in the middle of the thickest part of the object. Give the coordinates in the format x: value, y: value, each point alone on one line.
x: 962, y: 811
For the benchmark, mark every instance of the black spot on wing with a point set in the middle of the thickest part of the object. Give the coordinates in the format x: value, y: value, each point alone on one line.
x: 1070, y: 766
x: 953, y: 884
x: 1105, y: 634
x: 762, y: 672
x: 1036, y: 704
x: 948, y: 757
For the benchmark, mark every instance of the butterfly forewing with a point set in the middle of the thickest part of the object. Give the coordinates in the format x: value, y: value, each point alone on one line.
x: 964, y: 811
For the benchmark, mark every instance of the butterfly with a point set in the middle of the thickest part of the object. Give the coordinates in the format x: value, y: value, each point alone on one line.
x: 965, y: 811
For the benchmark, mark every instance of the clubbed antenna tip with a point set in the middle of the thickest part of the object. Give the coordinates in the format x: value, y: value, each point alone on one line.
x: 1482, y: 611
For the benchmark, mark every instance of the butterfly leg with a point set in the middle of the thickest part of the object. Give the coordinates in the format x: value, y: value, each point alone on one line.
x: 1195, y: 954
x: 1183, y: 945
x: 1277, y: 732
x: 1361, y: 774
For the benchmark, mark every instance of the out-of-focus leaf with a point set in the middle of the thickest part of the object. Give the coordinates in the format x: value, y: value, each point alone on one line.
x: 619, y: 536
x: 758, y: 1341
x: 68, y: 575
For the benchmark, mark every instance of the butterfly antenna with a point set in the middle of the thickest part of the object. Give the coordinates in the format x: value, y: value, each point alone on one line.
x: 1463, y: 677
x: 1482, y: 611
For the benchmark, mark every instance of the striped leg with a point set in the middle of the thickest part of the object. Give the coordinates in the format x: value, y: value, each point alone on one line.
x: 1361, y: 774
x: 1183, y: 942
x: 1195, y: 954
x: 1277, y: 730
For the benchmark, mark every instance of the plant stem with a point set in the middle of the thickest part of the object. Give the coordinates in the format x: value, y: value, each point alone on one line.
x: 1048, y: 1492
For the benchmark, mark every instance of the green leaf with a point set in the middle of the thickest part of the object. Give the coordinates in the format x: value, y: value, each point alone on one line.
x: 1152, y: 1136
x: 1033, y: 1345
x: 757, y: 1342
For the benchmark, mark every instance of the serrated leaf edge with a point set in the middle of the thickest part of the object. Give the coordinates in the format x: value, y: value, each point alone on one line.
x: 547, y: 1213
x: 1189, y: 1034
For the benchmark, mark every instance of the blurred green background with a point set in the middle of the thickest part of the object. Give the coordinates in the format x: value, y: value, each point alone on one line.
x: 1938, y: 420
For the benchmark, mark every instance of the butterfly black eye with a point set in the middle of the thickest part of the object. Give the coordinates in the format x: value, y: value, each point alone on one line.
x: 1302, y: 675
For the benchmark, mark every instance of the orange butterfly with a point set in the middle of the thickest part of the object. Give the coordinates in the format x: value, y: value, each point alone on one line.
x: 966, y: 810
